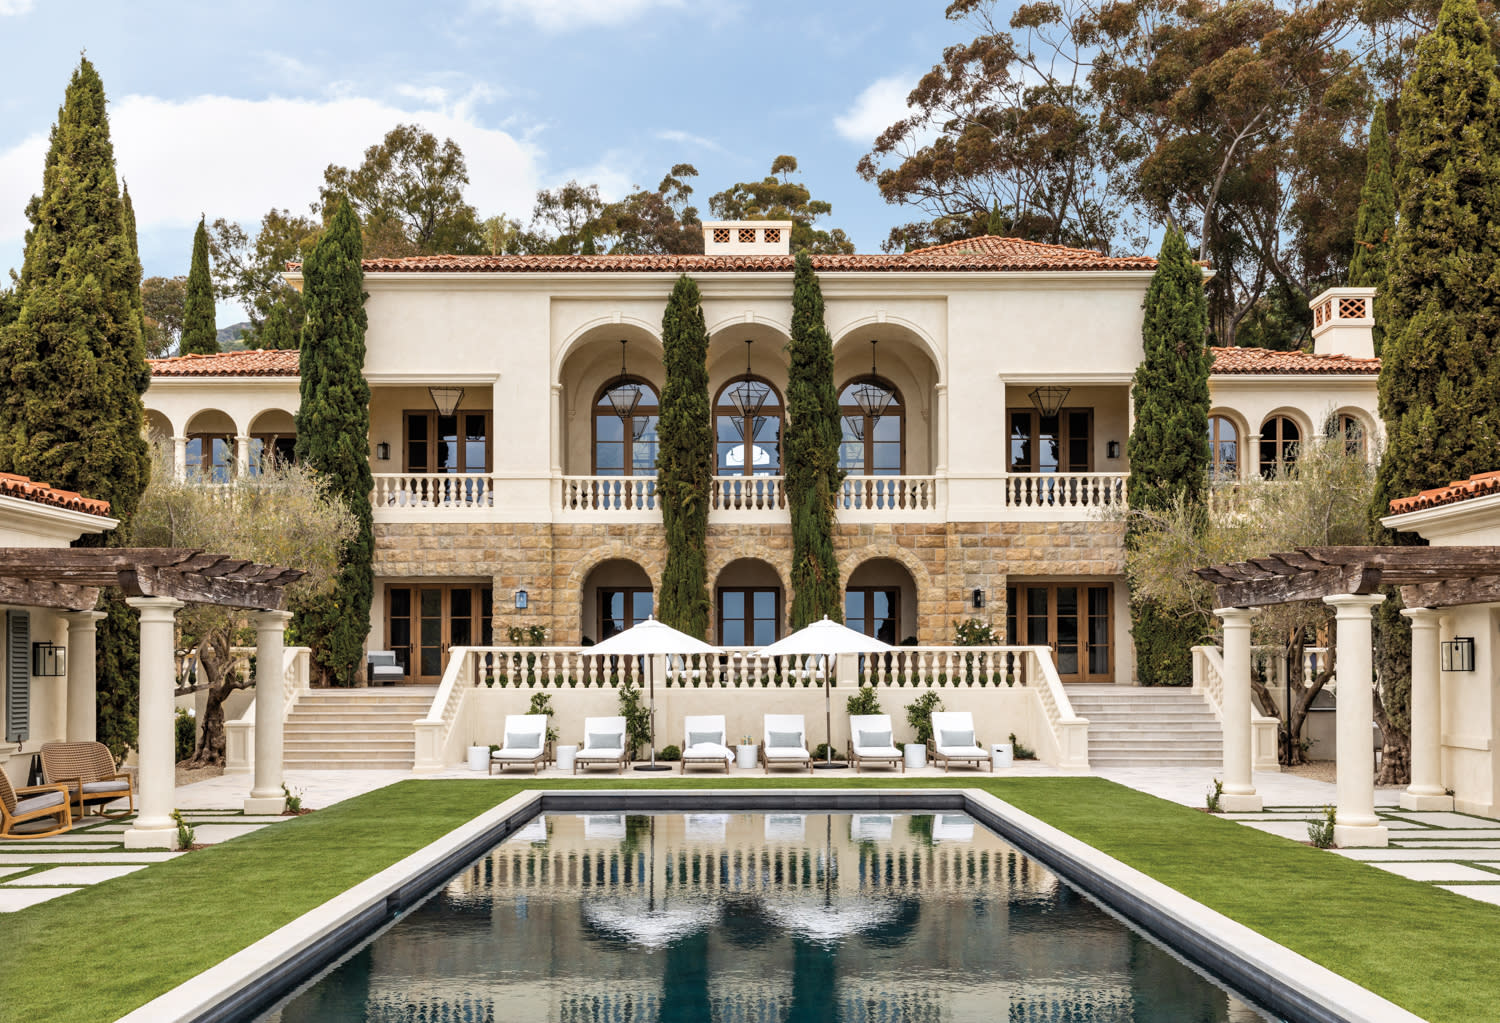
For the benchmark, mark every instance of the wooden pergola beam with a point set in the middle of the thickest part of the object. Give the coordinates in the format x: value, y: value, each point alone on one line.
x: 1452, y: 592
x: 74, y: 574
x: 42, y: 593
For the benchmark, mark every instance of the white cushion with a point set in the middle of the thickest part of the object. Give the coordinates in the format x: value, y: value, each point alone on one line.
x: 119, y: 785
x: 786, y: 753
x: 40, y: 802
x: 962, y: 751
x: 515, y: 754
x: 708, y: 751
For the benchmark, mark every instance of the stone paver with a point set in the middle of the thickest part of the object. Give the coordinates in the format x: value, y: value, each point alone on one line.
x: 1482, y: 892
x: 13, y: 899
x: 87, y: 875
x: 1439, y: 872
x: 213, y: 834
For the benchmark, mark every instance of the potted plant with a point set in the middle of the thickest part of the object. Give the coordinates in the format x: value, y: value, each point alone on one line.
x: 919, y: 717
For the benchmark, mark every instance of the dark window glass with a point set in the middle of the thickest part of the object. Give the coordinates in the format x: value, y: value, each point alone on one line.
x: 626, y: 447
x: 872, y: 446
x: 761, y: 456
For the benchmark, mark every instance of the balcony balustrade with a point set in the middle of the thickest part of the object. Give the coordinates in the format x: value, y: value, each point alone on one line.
x: 1051, y: 492
x: 435, y: 490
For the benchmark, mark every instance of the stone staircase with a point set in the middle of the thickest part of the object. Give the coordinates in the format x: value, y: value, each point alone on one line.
x: 351, y: 729
x: 1132, y: 726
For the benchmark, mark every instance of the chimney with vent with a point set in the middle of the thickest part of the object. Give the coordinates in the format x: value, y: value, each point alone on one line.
x: 747, y: 238
x: 1343, y: 322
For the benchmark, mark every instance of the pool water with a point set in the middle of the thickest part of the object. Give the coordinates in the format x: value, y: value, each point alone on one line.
x: 757, y: 917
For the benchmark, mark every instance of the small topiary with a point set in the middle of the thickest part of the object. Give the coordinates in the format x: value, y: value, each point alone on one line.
x: 919, y: 714
x: 864, y: 702
x: 821, y: 753
x: 670, y: 754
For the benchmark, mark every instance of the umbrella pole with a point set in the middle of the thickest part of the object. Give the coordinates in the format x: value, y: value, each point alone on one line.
x: 651, y: 722
x: 828, y: 762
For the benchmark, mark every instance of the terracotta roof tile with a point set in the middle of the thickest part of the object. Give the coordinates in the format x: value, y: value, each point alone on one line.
x: 1263, y: 360
x: 270, y: 362
x: 977, y: 254
x: 28, y: 489
x: 1460, y: 490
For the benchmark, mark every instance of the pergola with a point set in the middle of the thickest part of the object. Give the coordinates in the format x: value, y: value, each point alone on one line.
x: 1347, y: 578
x: 157, y: 582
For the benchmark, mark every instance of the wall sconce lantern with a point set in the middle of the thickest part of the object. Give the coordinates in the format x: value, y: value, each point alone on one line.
x: 1112, y: 449
x: 521, y: 600
x: 48, y: 660
x: 978, y: 599
x: 382, y: 452
x: 1458, y: 654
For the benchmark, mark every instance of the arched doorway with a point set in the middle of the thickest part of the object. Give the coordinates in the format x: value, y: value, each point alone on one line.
x: 616, y: 595
x: 748, y: 601
x: 880, y: 600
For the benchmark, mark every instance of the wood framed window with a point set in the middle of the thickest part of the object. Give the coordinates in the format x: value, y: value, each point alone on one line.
x: 1060, y: 443
x: 874, y: 610
x: 1224, y: 448
x: 1279, y: 438
x: 270, y: 449
x: 748, y: 445
x: 870, y: 446
x: 459, y: 443
x: 626, y: 447
x: 1352, y: 429
x: 621, y: 607
x: 749, y: 616
x: 210, y: 456
x: 1074, y: 619
x: 425, y: 620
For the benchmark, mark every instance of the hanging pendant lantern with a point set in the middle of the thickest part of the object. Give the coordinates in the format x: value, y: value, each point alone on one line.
x: 748, y: 396
x: 625, y: 396
x: 872, y: 398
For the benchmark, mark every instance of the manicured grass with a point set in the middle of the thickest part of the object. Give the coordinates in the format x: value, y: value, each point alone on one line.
x: 1421, y: 947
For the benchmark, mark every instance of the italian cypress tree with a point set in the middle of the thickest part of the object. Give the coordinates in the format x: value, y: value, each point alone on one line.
x: 73, y: 360
x: 1440, y: 364
x: 813, y: 433
x: 685, y: 465
x: 200, y: 334
x: 1375, y: 228
x: 1169, y: 453
x: 333, y: 429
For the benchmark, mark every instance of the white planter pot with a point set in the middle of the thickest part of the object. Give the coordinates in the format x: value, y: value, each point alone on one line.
x: 916, y: 756
x: 1002, y: 754
x: 479, y: 758
x: 745, y: 756
x: 565, y: 758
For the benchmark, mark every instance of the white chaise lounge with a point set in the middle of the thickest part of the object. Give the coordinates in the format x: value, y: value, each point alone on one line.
x: 525, y: 743
x: 953, y: 739
x: 785, y: 742
x: 603, y: 744
x: 870, y: 741
x: 703, y: 742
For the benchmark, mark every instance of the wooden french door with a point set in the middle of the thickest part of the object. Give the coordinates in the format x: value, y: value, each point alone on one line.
x: 423, y: 622
x: 1074, y: 619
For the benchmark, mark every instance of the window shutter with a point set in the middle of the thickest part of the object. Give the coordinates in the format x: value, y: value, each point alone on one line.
x: 17, y: 676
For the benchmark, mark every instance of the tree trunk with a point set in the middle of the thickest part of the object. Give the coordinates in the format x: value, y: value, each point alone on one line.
x: 1395, y: 752
x: 215, y: 664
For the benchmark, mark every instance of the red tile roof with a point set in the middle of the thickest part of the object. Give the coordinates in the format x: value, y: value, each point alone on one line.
x: 270, y: 362
x: 28, y: 489
x: 1263, y: 360
x: 977, y: 254
x: 1460, y: 490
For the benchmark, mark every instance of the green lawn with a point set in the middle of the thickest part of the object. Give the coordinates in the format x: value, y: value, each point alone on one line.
x: 149, y: 931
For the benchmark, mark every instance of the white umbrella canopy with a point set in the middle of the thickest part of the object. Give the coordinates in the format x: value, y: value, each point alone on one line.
x: 827, y: 638
x: 650, y: 637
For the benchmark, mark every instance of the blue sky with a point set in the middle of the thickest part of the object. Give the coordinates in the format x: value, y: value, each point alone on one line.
x: 230, y: 109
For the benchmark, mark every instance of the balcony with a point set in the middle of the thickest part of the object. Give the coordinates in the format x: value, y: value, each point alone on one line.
x: 471, y: 497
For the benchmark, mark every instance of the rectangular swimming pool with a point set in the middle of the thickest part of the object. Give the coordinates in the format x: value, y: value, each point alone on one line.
x: 760, y: 916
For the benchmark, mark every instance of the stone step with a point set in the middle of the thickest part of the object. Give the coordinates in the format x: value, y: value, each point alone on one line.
x: 339, y: 765
x: 1132, y: 761
x: 388, y: 747
x: 1176, y: 735
x: 356, y: 720
x: 1116, y: 715
x: 337, y: 736
x: 1148, y: 750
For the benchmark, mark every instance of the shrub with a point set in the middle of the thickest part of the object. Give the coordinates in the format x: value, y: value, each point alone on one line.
x: 185, y: 831
x: 1215, y: 795
x: 541, y: 703
x: 186, y: 733
x: 919, y: 714
x: 864, y: 702
x: 637, y: 718
x: 1020, y: 750
x: 1320, y: 833
x: 822, y: 751
x: 670, y: 754
x: 974, y: 632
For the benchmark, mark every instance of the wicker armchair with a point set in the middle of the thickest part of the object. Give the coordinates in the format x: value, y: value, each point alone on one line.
x: 88, y: 771
x: 37, y: 802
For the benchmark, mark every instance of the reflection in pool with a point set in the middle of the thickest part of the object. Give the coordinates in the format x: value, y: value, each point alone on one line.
x: 760, y: 917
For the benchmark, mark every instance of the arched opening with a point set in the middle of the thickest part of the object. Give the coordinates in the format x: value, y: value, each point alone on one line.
x: 617, y: 594
x: 626, y: 415
x: 210, y: 446
x: 1354, y: 431
x: 1224, y: 448
x: 748, y: 420
x: 748, y: 604
x: 874, y: 428
x: 1279, y: 439
x: 273, y: 440
x: 880, y: 600
x: 159, y: 434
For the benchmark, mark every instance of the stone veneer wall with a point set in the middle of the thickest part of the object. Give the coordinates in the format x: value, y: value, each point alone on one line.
x: 946, y: 561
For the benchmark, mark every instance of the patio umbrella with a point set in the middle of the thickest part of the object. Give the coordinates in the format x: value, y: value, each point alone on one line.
x: 643, y: 640
x: 823, y: 640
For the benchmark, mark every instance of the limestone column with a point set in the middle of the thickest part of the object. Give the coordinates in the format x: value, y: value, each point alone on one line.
x: 156, y: 770
x: 1357, y: 824
x: 556, y: 433
x: 1251, y: 457
x: 83, y: 712
x: 1239, y: 787
x: 1426, y: 789
x: 270, y: 702
x: 179, y: 456
x: 241, y: 455
x: 940, y: 424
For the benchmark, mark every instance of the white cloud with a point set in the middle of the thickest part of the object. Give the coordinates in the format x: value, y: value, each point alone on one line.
x: 565, y: 15
x: 687, y: 138
x: 433, y: 95
x: 238, y: 158
x: 15, y: 7
x: 881, y: 105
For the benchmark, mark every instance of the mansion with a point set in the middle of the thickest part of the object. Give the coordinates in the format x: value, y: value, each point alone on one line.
x: 985, y: 391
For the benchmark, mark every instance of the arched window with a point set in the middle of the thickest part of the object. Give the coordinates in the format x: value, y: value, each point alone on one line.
x: 1279, y: 437
x: 748, y: 408
x: 874, y: 428
x: 628, y: 446
x: 1352, y: 429
x: 1224, y: 448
